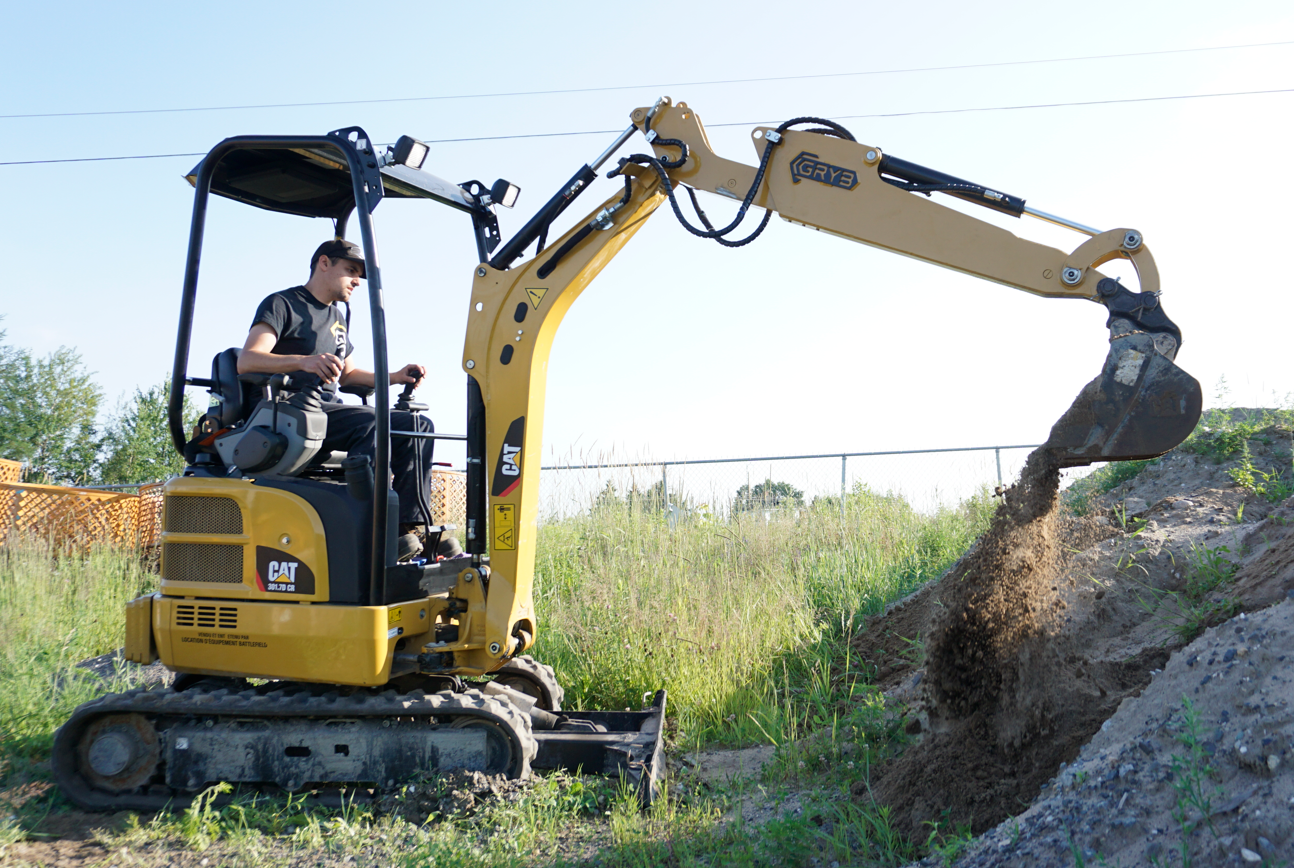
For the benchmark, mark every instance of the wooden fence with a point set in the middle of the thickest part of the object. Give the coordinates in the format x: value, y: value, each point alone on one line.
x: 76, y: 517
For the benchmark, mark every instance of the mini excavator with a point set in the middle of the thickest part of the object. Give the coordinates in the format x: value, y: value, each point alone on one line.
x: 307, y: 656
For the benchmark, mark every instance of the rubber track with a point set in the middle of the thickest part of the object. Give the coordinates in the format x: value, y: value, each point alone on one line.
x: 540, y: 672
x: 305, y: 701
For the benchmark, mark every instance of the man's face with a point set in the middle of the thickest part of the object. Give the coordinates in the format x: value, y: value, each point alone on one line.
x: 340, y: 277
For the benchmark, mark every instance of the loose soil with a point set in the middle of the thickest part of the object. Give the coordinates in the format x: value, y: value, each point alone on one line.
x: 1050, y: 647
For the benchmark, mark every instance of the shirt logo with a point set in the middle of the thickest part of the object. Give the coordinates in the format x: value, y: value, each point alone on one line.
x: 339, y: 332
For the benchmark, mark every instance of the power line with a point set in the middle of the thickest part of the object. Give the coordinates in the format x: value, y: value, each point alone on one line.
x: 555, y: 92
x: 1001, y: 108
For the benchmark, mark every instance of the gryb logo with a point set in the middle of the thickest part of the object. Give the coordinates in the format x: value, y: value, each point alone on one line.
x: 807, y: 167
x: 507, y: 471
x: 281, y: 573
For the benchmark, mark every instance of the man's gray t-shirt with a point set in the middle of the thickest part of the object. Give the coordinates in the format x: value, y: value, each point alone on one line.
x: 305, y: 326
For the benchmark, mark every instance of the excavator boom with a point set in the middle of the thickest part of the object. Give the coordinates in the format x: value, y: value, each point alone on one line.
x: 1140, y: 406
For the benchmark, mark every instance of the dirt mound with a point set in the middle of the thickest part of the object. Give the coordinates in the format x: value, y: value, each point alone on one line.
x: 1050, y: 625
x: 1007, y: 698
x: 1197, y: 770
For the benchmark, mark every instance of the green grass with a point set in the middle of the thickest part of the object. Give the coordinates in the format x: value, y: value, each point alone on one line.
x: 735, y: 619
x: 54, y: 612
x: 746, y: 622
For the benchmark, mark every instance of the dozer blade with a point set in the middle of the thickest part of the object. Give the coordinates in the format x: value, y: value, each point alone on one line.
x: 1140, y: 406
x: 627, y: 744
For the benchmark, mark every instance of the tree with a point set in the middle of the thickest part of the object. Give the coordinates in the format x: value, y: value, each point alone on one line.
x: 137, y: 445
x: 767, y: 494
x: 47, y: 414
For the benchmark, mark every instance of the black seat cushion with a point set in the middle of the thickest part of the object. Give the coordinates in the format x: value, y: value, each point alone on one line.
x: 235, y: 398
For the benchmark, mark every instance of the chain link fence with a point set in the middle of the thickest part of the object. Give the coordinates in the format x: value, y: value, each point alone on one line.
x: 927, y: 478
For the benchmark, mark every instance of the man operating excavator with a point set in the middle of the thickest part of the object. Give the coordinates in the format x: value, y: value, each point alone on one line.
x: 302, y: 330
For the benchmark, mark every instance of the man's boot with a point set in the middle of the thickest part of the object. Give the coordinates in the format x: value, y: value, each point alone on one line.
x: 409, y: 545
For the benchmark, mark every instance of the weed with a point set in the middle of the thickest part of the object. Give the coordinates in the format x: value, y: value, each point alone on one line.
x: 948, y: 847
x: 1265, y: 484
x: 201, y: 822
x: 1208, y: 570
x: 1190, y: 775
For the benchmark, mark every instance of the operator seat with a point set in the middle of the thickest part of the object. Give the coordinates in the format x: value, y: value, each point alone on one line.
x: 235, y: 399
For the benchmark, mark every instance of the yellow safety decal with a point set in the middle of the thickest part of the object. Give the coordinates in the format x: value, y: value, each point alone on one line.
x: 394, y: 616
x: 505, y: 527
x: 536, y: 294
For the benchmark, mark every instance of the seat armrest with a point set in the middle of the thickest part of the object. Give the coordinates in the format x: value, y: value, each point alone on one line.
x: 361, y: 391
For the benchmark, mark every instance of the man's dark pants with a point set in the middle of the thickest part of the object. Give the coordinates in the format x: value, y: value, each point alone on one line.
x: 353, y: 429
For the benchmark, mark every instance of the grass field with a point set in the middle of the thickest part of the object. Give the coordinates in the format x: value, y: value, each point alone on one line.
x: 744, y: 621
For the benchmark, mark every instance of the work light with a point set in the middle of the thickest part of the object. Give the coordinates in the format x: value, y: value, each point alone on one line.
x: 504, y: 193
x: 409, y: 152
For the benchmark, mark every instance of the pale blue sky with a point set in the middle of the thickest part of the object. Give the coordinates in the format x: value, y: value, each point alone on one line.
x: 798, y: 343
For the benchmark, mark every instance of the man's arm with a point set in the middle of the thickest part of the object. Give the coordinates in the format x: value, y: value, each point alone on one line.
x: 352, y: 375
x: 258, y: 357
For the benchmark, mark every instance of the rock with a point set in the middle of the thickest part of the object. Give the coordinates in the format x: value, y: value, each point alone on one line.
x: 1134, y: 505
x: 1183, y: 504
x: 1249, y: 855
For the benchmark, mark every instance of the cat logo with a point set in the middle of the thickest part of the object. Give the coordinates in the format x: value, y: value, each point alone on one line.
x: 510, y: 467
x: 287, y: 570
x: 507, y: 471
x: 280, y: 573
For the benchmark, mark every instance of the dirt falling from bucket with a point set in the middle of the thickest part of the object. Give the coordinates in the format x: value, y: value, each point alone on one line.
x: 1005, y: 704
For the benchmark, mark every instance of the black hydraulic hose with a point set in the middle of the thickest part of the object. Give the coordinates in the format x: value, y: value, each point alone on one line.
x: 724, y: 241
x: 585, y: 230
x: 827, y: 127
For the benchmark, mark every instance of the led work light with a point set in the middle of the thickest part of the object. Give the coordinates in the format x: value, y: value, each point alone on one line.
x: 409, y: 152
x: 504, y: 193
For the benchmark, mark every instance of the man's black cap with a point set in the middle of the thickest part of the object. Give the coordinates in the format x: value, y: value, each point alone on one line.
x: 339, y: 248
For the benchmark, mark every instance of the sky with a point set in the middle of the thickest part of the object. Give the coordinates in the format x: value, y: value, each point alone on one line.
x: 799, y: 343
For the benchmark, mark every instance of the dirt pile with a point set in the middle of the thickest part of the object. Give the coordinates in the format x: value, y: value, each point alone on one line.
x: 1197, y: 770
x: 1008, y: 696
x: 1077, y: 718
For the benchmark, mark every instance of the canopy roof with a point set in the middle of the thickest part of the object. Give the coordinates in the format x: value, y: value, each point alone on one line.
x: 314, y: 182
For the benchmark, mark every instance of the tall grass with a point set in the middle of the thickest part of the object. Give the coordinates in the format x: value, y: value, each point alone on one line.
x: 733, y: 618
x: 56, y: 610
x: 739, y: 619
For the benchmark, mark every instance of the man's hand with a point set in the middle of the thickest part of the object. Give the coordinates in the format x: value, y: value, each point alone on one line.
x: 325, y: 366
x: 409, y: 374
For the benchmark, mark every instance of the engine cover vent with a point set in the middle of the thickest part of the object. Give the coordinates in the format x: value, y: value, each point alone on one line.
x: 221, y: 617
x: 209, y: 563
x: 194, y: 514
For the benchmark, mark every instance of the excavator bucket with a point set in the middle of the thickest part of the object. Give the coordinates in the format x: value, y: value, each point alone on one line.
x: 1140, y: 406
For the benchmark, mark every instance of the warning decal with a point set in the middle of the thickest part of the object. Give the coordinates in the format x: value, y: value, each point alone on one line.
x: 394, y: 616
x: 536, y: 295
x: 504, y: 527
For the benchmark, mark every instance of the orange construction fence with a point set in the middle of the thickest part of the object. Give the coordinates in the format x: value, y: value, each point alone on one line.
x: 73, y: 517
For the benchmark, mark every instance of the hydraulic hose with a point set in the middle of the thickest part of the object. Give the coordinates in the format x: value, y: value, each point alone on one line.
x: 826, y: 127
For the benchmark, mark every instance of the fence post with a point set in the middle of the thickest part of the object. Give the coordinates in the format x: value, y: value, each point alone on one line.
x: 997, y: 451
x: 843, y: 460
x: 664, y: 484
